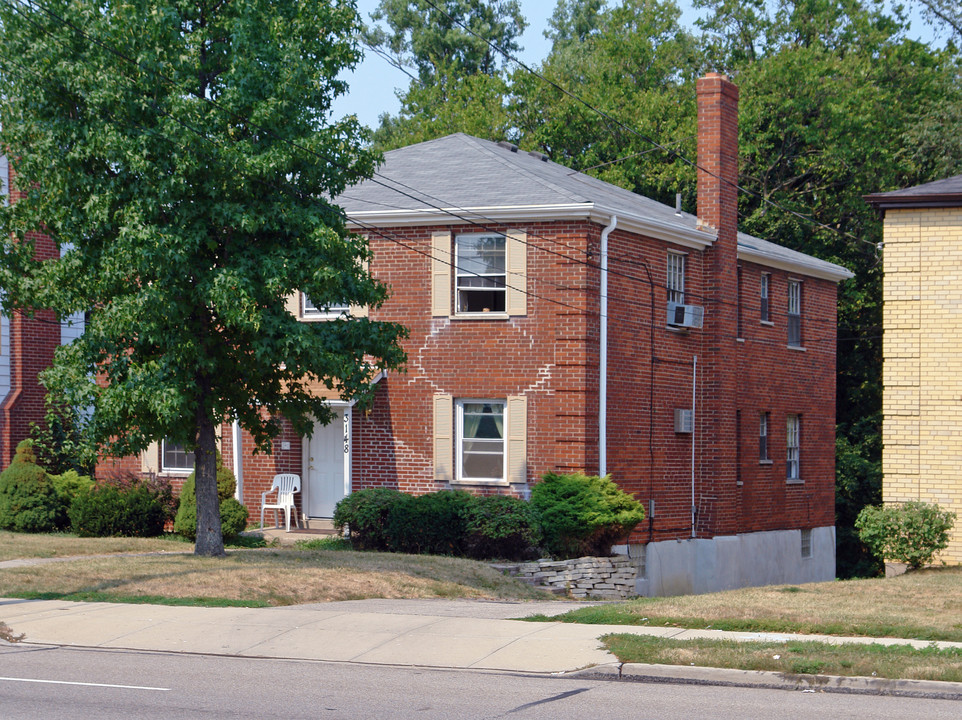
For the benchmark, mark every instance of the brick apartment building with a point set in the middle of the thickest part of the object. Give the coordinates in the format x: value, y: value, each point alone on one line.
x: 561, y: 323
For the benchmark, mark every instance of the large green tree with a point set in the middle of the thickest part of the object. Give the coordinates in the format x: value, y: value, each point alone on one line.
x: 181, y: 155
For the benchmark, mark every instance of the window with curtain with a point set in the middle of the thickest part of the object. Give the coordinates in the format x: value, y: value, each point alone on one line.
x: 480, y: 274
x: 792, y: 445
x: 480, y: 440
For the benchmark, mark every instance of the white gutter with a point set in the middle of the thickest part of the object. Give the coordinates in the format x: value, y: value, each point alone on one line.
x: 694, y: 377
x: 603, y: 363
x: 236, y: 443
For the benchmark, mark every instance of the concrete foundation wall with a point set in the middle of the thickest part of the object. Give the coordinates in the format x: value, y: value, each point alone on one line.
x: 685, y: 567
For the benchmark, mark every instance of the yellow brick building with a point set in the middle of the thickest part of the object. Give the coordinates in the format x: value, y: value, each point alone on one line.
x: 922, y: 347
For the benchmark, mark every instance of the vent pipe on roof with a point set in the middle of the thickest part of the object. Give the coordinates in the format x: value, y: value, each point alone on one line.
x: 508, y: 146
x: 603, y: 359
x: 678, y: 204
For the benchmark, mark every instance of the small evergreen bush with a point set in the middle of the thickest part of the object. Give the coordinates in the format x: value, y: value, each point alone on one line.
x: 28, y: 500
x: 582, y: 514
x: 501, y: 527
x: 364, y: 514
x: 233, y: 515
x: 107, y: 510
x: 435, y: 523
x: 910, y: 532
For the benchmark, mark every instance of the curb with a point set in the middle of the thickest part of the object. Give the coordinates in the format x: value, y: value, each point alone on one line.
x: 681, y: 674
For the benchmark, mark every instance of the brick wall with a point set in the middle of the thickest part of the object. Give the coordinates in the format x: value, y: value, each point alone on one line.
x: 922, y: 369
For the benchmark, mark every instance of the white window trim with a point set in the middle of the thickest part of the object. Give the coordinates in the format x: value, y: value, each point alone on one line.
x: 674, y: 274
x: 170, y: 470
x: 796, y: 285
x: 310, y: 312
x: 764, y: 424
x: 793, y: 448
x: 765, y: 293
x: 459, y: 443
x: 457, y: 275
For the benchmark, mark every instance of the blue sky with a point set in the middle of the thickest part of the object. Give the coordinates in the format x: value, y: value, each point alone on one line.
x: 373, y: 83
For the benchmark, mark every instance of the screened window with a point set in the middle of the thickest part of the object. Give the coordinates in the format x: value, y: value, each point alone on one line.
x: 792, y: 437
x: 794, y: 313
x: 480, y: 273
x: 763, y: 436
x: 764, y: 313
x: 174, y: 458
x: 480, y: 440
x: 676, y: 278
x: 310, y: 309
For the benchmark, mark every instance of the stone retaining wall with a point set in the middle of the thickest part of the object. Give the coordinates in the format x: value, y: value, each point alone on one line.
x: 600, y: 577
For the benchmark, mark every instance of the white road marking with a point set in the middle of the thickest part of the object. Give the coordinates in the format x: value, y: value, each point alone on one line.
x: 66, y: 682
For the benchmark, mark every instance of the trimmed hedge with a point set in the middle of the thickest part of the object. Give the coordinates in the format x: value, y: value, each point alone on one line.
x: 500, y: 526
x: 365, y: 514
x: 233, y: 515
x: 29, y: 502
x: 583, y: 514
x: 109, y: 511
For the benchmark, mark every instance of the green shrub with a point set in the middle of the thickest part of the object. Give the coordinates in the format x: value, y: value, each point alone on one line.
x: 233, y: 515
x: 109, y: 511
x: 501, y: 527
x: 364, y: 514
x: 435, y: 524
x: 70, y: 484
x: 583, y: 515
x: 28, y: 500
x: 910, y: 532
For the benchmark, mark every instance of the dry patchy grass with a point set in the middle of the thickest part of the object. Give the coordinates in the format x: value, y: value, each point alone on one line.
x: 926, y: 604
x: 282, y: 576
x: 39, y: 545
x: 797, y: 658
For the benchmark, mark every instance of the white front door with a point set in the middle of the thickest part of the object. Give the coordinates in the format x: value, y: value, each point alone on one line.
x: 328, y: 457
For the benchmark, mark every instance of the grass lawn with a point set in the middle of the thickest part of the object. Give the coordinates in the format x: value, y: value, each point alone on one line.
x: 251, y: 577
x: 797, y: 658
x: 925, y: 605
x: 48, y: 545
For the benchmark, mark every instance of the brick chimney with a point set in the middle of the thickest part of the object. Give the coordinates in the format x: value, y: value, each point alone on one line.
x: 717, y: 494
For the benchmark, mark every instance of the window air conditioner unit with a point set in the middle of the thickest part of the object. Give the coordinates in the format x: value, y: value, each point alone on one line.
x: 685, y: 316
x: 684, y: 421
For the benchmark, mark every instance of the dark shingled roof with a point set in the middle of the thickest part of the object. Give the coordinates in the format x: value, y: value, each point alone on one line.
x: 460, y: 178
x: 941, y: 193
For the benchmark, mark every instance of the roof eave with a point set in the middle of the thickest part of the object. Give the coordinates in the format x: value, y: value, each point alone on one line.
x: 887, y: 201
x: 816, y: 270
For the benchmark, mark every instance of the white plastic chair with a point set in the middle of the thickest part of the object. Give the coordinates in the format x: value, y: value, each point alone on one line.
x: 285, y: 484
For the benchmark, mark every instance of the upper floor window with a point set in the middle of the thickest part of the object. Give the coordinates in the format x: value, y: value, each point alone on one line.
x: 480, y: 446
x: 794, y: 312
x: 764, y: 314
x: 311, y: 310
x: 174, y: 458
x: 4, y: 180
x: 480, y: 273
x: 793, y: 447
x: 676, y: 278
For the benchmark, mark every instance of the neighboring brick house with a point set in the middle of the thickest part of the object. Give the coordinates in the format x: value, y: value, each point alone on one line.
x: 922, y: 362
x: 27, y: 345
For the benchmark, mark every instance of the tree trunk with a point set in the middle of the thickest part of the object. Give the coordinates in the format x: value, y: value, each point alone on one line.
x: 210, y: 540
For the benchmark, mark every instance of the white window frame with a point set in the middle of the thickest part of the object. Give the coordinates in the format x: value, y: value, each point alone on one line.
x: 793, y: 446
x: 310, y: 311
x: 459, y: 445
x: 164, y: 468
x: 763, y: 425
x: 795, y: 313
x: 807, y: 544
x: 4, y: 180
x: 675, y: 277
x: 764, y: 305
x: 459, y: 273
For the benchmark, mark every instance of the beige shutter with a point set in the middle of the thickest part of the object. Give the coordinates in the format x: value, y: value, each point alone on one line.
x: 441, y: 273
x: 516, y: 262
x: 150, y: 459
x: 360, y: 311
x: 443, y: 438
x: 517, y: 440
x: 293, y: 304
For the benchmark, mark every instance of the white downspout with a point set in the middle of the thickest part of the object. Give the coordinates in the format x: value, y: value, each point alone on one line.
x: 236, y: 442
x: 694, y: 377
x: 603, y: 361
